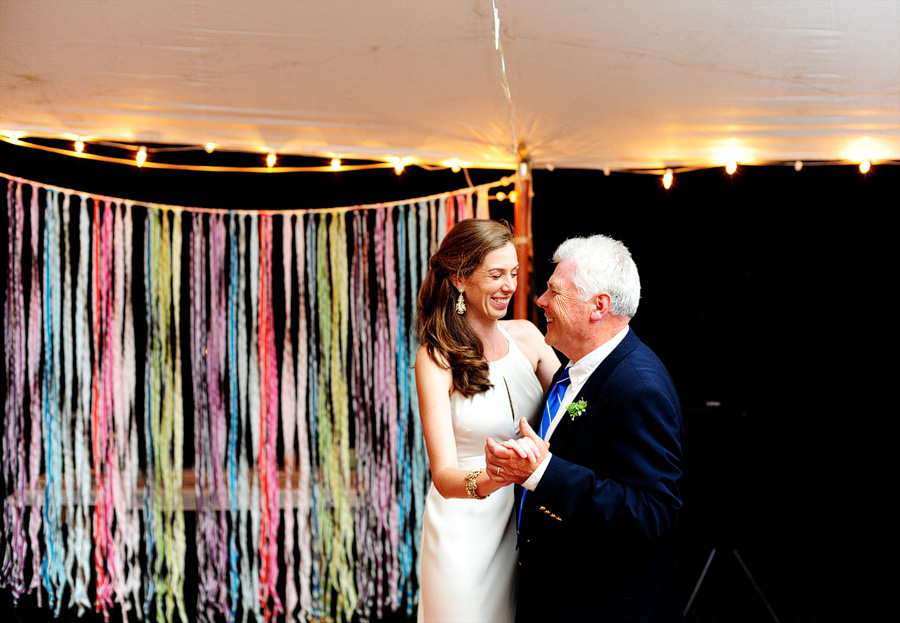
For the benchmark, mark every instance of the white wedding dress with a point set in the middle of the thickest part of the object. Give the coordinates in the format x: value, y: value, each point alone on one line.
x: 468, y: 554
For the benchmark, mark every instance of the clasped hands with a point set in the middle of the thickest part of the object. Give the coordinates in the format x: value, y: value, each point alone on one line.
x: 514, y: 460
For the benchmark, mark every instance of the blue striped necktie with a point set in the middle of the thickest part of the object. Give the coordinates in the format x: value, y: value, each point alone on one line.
x: 553, y: 400
x: 550, y: 409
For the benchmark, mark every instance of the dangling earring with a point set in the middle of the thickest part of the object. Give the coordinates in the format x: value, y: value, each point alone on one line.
x: 460, y: 304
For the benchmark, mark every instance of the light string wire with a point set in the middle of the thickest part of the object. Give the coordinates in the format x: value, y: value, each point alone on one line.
x: 502, y: 182
x: 386, y: 458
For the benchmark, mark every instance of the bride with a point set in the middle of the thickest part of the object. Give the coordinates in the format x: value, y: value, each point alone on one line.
x: 476, y: 375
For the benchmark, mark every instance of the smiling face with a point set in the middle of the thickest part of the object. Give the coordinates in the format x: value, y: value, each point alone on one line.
x: 488, y: 290
x: 568, y: 317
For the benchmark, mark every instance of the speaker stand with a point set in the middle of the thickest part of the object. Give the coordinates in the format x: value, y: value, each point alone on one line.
x: 746, y: 572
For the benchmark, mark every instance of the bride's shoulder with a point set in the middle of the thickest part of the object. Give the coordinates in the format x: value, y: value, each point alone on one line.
x: 524, y: 332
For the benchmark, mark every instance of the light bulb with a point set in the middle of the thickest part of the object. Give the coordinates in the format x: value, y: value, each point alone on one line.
x: 667, y: 179
x: 271, y: 159
x: 731, y: 167
x: 335, y: 163
x: 454, y: 165
x: 864, y: 166
x: 79, y: 146
x: 399, y: 165
x: 798, y: 165
x: 210, y: 148
x: 513, y: 196
x: 141, y: 156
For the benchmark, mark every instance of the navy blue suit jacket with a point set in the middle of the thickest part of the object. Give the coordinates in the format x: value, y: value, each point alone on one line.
x: 597, y: 535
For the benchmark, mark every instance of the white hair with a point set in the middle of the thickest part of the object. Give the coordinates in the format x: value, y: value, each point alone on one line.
x: 603, y: 265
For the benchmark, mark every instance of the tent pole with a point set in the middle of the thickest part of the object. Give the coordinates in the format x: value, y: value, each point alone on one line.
x: 522, y: 307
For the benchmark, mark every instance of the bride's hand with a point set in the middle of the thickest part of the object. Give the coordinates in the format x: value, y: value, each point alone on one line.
x: 515, y: 459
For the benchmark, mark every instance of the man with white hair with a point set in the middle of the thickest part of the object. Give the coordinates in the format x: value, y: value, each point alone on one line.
x: 598, y: 516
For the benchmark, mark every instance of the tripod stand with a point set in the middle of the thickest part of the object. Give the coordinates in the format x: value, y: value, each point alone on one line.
x: 740, y: 560
x: 720, y: 481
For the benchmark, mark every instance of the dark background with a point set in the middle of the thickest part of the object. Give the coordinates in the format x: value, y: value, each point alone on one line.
x: 767, y: 295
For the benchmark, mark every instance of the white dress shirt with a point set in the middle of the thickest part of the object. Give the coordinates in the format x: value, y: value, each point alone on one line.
x: 579, y: 373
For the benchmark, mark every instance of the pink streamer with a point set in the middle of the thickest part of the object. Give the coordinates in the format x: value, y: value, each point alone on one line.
x: 268, y: 467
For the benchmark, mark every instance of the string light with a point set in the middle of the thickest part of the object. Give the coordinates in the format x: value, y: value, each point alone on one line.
x: 77, y: 147
x: 667, y: 179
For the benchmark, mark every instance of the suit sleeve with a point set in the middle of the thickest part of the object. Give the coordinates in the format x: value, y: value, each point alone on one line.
x: 625, y: 464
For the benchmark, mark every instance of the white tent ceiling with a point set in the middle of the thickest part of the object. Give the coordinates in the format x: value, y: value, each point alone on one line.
x: 599, y: 84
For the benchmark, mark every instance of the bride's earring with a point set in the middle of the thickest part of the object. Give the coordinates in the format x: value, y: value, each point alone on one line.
x: 460, y: 304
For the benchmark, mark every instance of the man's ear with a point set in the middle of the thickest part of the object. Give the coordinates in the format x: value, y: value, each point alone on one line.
x: 601, y: 306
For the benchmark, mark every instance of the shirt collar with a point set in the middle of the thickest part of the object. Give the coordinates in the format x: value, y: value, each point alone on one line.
x: 584, y: 367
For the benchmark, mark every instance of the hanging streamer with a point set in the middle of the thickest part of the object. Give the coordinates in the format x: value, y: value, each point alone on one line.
x: 34, y: 393
x: 344, y: 528
x: 304, y: 466
x: 216, y: 357
x: 12, y: 573
x: 206, y: 529
x: 361, y: 387
x: 404, y: 484
x: 268, y: 431
x: 83, y: 370
x: 66, y: 399
x: 288, y: 421
x: 313, y: 398
x: 234, y: 411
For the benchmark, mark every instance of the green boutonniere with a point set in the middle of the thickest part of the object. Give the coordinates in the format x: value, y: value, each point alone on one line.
x: 576, y: 409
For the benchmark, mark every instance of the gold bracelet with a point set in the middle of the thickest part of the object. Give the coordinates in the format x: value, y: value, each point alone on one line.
x: 471, y: 484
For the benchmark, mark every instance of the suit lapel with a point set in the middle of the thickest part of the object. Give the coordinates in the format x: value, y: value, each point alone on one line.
x: 592, y: 390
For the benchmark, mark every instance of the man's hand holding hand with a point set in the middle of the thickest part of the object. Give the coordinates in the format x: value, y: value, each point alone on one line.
x: 514, y: 460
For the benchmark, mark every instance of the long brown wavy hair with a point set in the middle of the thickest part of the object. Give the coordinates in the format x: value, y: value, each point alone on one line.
x: 447, y: 335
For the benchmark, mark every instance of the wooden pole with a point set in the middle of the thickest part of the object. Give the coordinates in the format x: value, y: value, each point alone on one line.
x: 522, y: 307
